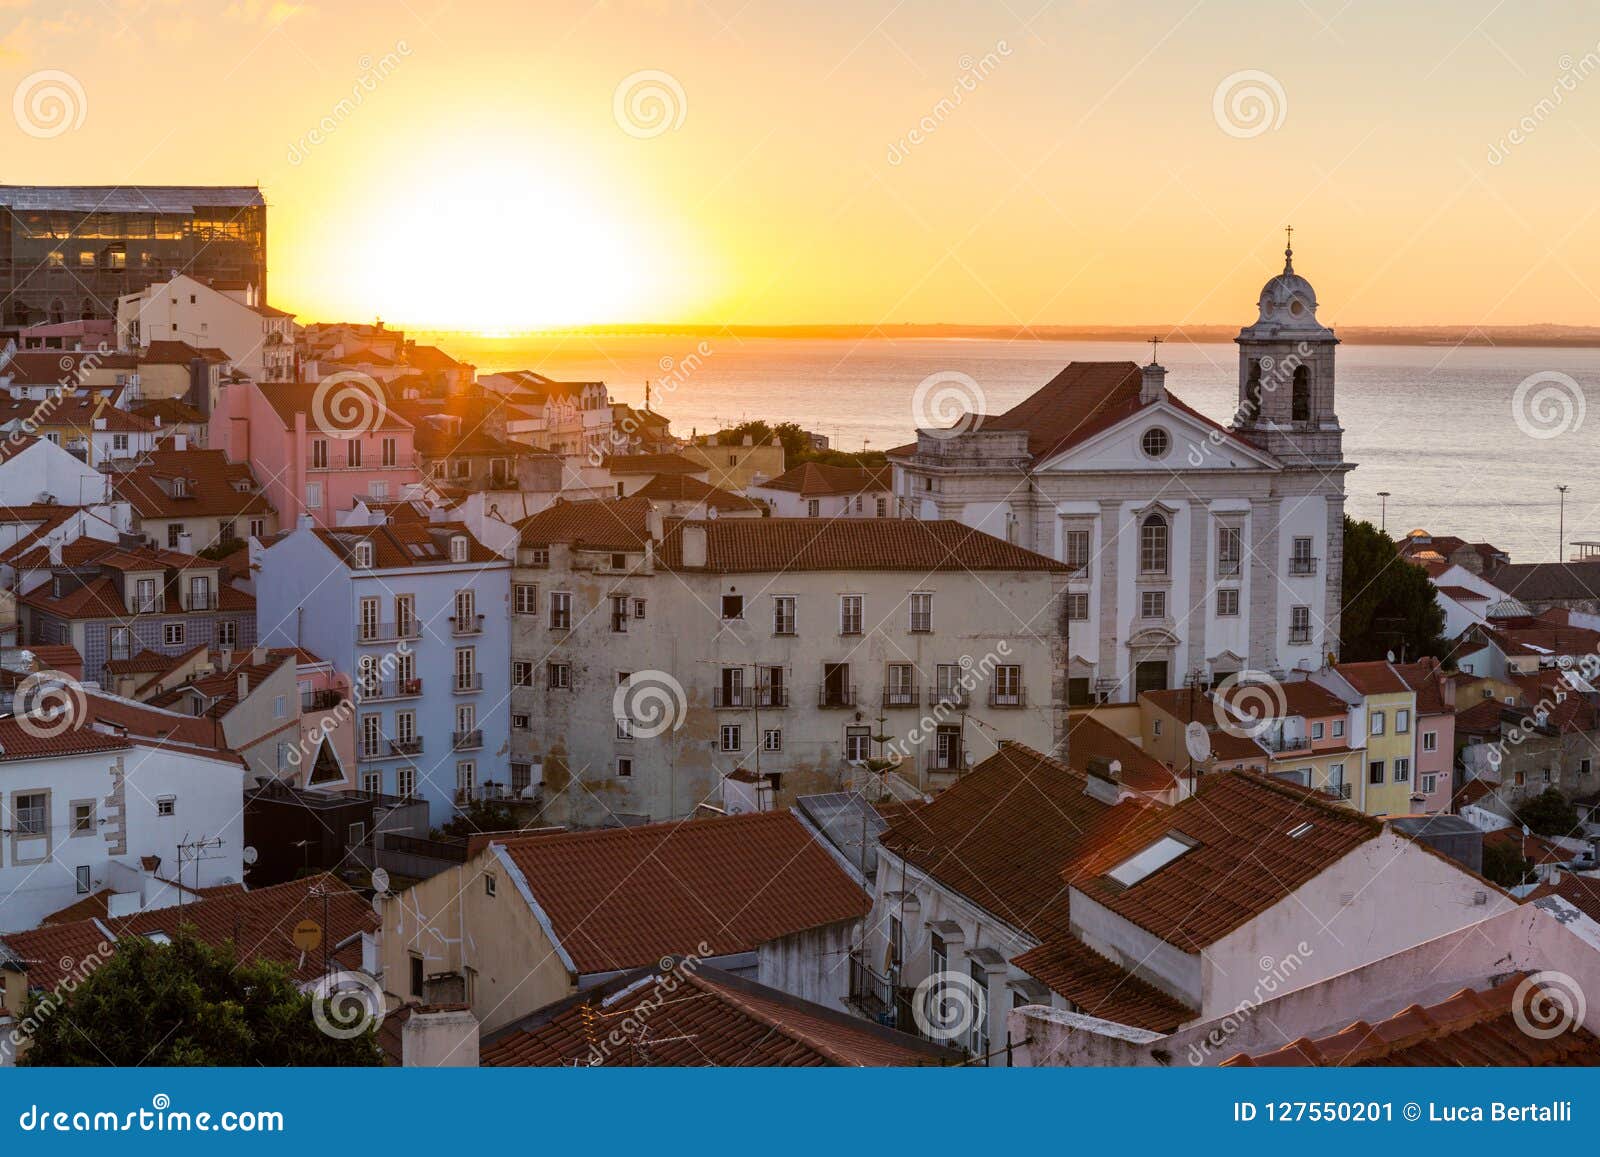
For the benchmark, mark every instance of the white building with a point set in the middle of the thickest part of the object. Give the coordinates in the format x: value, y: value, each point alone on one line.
x: 95, y: 792
x: 36, y: 471
x: 258, y: 339
x: 779, y: 654
x: 1197, y: 550
x: 818, y: 490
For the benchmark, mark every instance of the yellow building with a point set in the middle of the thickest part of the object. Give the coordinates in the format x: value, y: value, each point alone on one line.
x: 1386, y: 713
x: 735, y: 467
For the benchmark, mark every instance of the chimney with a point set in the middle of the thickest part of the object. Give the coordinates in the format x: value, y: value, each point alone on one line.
x: 1105, y: 780
x: 180, y: 441
x: 185, y: 544
x: 303, y: 522
x: 434, y: 1038
x: 654, y: 525
x: 243, y: 684
x: 55, y: 552
x: 1152, y: 384
x: 694, y: 545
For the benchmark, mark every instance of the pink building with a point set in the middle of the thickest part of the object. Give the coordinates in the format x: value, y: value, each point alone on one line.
x: 1436, y: 734
x: 315, y: 449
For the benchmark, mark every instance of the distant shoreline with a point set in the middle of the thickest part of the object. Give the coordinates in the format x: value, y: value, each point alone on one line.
x: 1473, y: 336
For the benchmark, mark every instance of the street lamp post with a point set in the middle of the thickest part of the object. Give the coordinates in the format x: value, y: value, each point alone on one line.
x: 1561, y: 526
x: 1383, y: 511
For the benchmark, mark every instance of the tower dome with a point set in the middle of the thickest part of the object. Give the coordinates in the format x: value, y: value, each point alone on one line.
x: 1288, y: 305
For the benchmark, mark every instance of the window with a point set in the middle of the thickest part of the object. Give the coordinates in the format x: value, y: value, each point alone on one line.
x: 1079, y: 692
x: 730, y: 737
x: 355, y: 835
x: 619, y: 614
x: 849, y: 614
x: 30, y: 814
x: 558, y: 676
x: 458, y: 548
x: 1375, y: 771
x: 121, y: 643
x: 560, y: 610
x: 172, y: 634
x: 83, y: 878
x: 352, y: 452
x: 319, y: 453
x: 902, y: 689
x: 522, y: 673
x: 1300, y: 558
x: 364, y: 555
x: 783, y: 616
x: 624, y: 766
x: 1155, y: 442
x: 813, y: 507
x: 1377, y: 723
x: 258, y: 527
x: 119, y: 441
x: 1584, y: 766
x: 405, y: 726
x: 858, y: 504
x: 1227, y: 601
x: 1300, y: 398
x: 1153, y: 545
x: 1402, y: 720
x: 921, y: 612
x: 488, y: 884
x: 857, y: 744
x: 391, y: 453
x: 314, y: 494
x: 733, y: 606
x: 416, y: 976
x: 773, y: 687
x: 1152, y: 859
x: 1430, y: 741
x: 883, y: 508
x: 1316, y: 731
x: 466, y: 777
x: 166, y: 805
x: 1338, y: 728
x: 83, y: 819
x: 730, y: 689
x: 525, y: 599
x: 466, y: 666
x: 1075, y: 545
x: 175, y: 531
x: 638, y: 608
x: 405, y: 782
x: 280, y: 706
x: 772, y: 739
x: 1430, y: 783
x: 520, y: 723
x: 1402, y: 771
x: 1152, y: 604
x: 1299, y: 624
x: 521, y: 775
x: 1157, y: 726
x: 1006, y: 690
x: 1077, y: 607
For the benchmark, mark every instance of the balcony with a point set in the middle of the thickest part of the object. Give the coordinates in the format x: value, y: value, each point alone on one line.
x: 405, y: 746
x: 901, y: 697
x: 388, y: 632
x: 772, y: 698
x: 836, y: 695
x: 378, y: 692
x: 466, y: 740
x: 1301, y: 564
x: 1337, y: 790
x: 467, y: 683
x: 1281, y: 745
x: 201, y: 602
x: 364, y: 753
x: 466, y: 624
x: 1007, y: 699
x: 947, y: 762
x: 1229, y: 568
x: 950, y: 698
x: 730, y: 697
x: 1300, y: 636
x: 320, y: 700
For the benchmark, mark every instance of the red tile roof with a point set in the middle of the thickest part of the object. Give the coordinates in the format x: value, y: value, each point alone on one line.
x: 1582, y: 892
x: 17, y: 742
x: 213, y: 486
x: 758, y: 545
x: 291, y: 398
x: 404, y: 542
x: 699, y: 1018
x: 624, y: 897
x: 1255, y: 840
x: 654, y: 464
x: 1470, y: 1028
x: 1097, y: 987
x: 599, y: 524
x: 1373, y: 678
x: 100, y: 599
x: 687, y: 488
x: 818, y: 479
x: 1088, y: 739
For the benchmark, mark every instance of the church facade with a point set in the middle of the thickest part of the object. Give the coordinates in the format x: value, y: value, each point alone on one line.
x: 1197, y: 550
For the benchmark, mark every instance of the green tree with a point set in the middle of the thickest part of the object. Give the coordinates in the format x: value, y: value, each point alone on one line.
x: 1549, y: 814
x: 796, y: 445
x: 181, y: 1004
x: 1388, y: 603
x: 1506, y: 867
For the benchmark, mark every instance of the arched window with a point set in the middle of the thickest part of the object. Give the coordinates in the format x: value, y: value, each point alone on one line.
x: 86, y: 310
x: 1153, y: 545
x: 58, y: 312
x: 1301, y: 410
x: 1250, y: 409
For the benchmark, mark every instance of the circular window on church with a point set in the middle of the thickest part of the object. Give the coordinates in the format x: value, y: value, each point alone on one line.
x: 1155, y: 442
x: 1297, y: 307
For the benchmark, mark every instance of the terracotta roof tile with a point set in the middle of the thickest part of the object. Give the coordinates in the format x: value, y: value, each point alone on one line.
x: 819, y: 479
x: 213, y: 487
x: 654, y: 464
x: 698, y: 1018
x: 687, y: 488
x: 1373, y: 678
x: 746, y: 545
x: 1582, y: 892
x: 625, y: 897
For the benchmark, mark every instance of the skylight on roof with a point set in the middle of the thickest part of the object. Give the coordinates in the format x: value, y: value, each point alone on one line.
x: 1299, y: 830
x: 1143, y: 864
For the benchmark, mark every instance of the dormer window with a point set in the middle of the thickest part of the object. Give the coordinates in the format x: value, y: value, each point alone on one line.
x: 458, y: 548
x: 180, y: 488
x: 364, y: 555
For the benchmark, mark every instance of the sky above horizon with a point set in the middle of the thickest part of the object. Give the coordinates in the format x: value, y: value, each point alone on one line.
x: 505, y: 166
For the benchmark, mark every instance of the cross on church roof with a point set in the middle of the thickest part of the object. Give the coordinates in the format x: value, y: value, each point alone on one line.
x: 1288, y: 248
x: 1155, y: 348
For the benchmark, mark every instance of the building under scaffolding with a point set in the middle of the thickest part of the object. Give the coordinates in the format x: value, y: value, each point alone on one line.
x: 67, y: 252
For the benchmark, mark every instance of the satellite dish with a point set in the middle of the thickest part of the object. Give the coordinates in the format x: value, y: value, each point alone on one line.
x: 249, y: 855
x: 1390, y: 656
x: 1198, y: 740
x: 380, y: 880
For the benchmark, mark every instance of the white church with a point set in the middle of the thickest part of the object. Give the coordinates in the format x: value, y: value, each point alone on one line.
x: 1197, y: 550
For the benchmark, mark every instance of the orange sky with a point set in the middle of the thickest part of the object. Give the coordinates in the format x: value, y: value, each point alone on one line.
x: 491, y: 177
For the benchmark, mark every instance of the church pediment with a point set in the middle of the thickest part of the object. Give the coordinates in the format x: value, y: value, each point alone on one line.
x: 1162, y: 436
